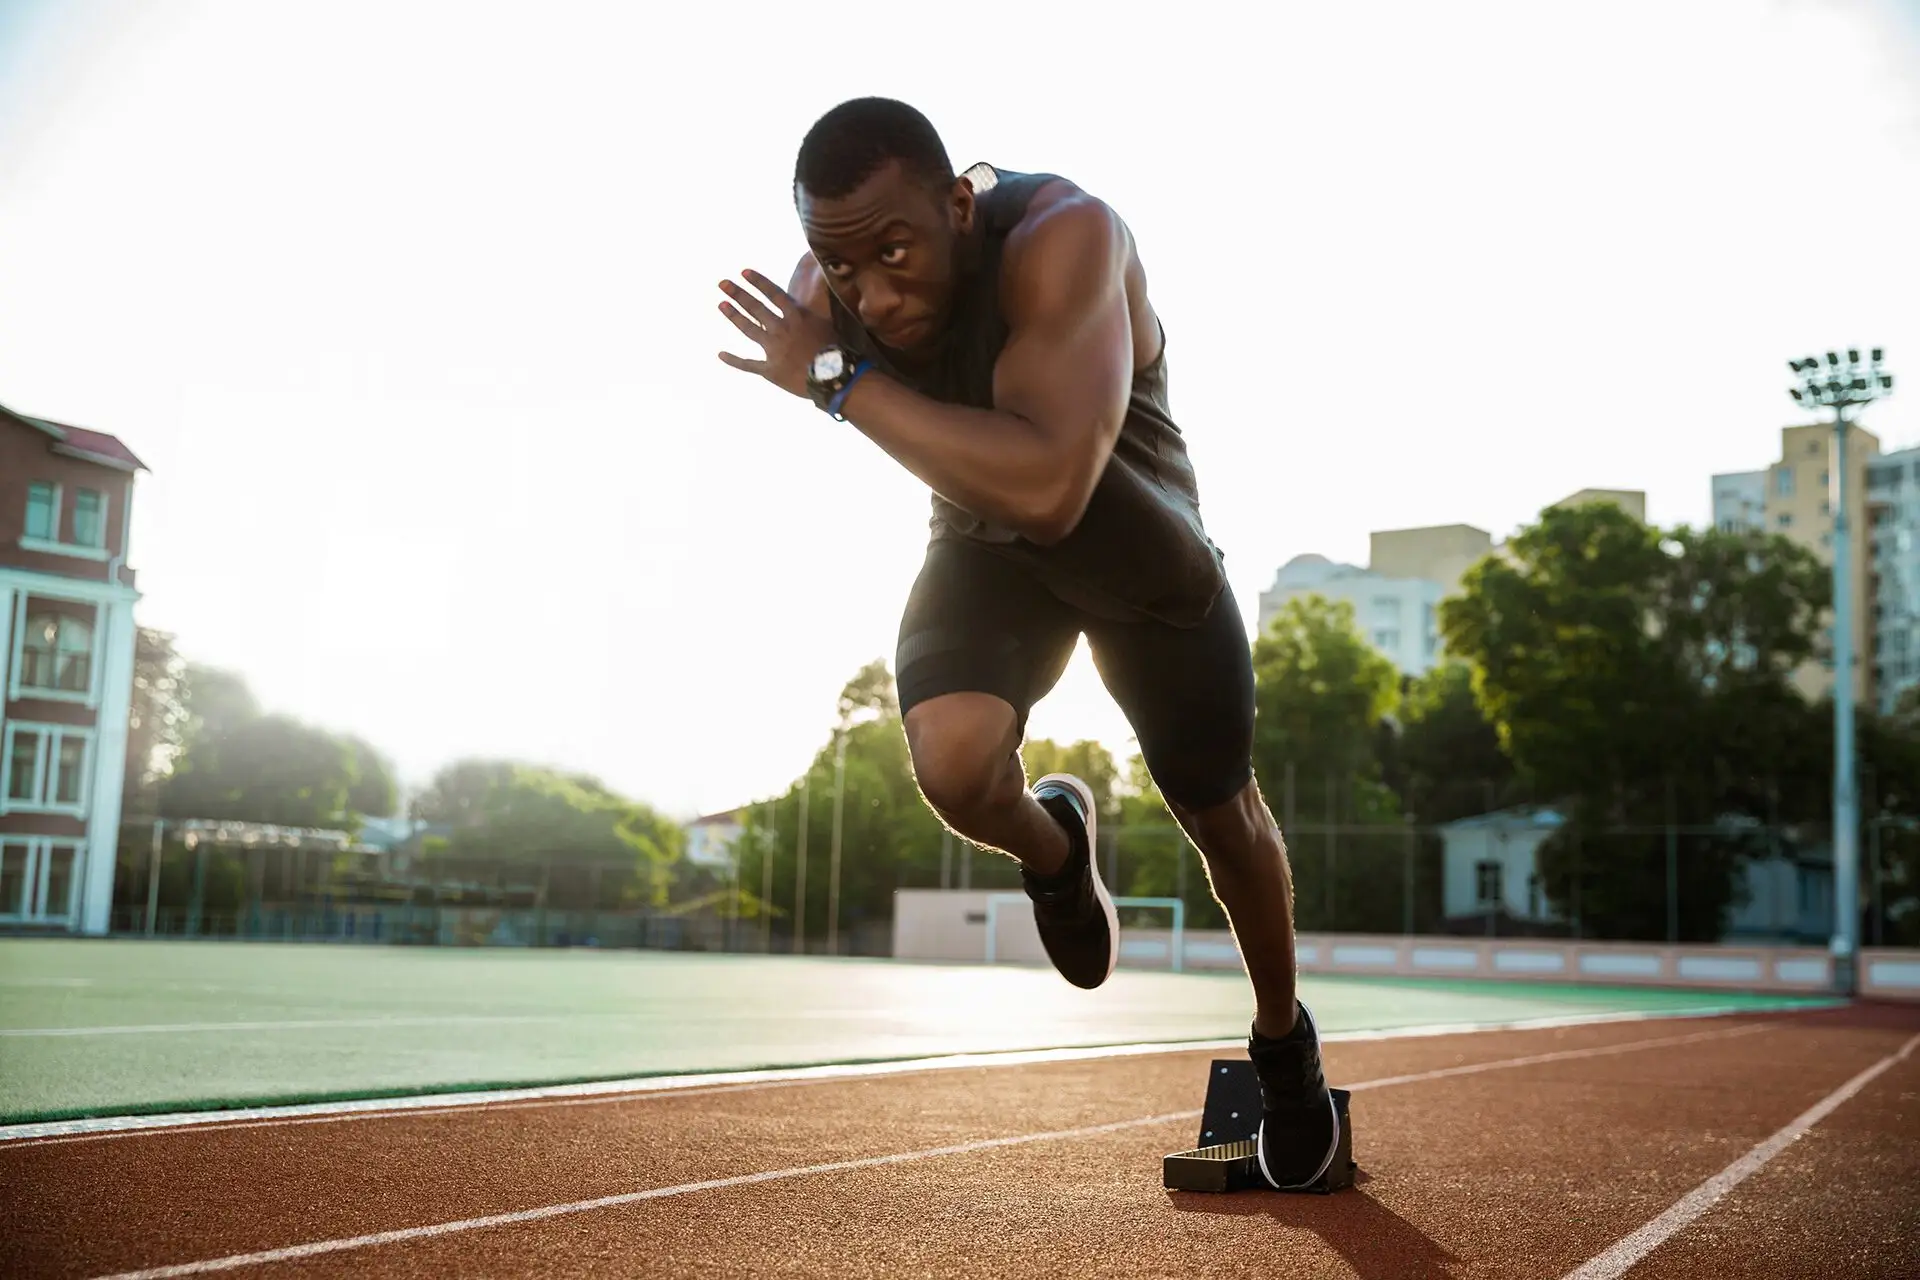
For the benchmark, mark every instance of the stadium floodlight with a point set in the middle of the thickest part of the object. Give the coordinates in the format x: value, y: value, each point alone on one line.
x: 1853, y: 389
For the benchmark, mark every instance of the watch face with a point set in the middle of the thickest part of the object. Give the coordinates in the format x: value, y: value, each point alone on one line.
x: 829, y: 364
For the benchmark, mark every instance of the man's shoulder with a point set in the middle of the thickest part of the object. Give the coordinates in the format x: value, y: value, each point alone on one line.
x: 1062, y: 213
x: 1066, y: 237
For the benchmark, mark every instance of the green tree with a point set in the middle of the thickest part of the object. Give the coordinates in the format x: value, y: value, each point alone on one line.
x: 458, y: 794
x: 890, y: 838
x: 157, y: 718
x: 236, y: 763
x: 1322, y: 696
x: 564, y: 840
x: 1447, y: 756
x: 1086, y: 760
x: 372, y: 792
x: 1639, y: 678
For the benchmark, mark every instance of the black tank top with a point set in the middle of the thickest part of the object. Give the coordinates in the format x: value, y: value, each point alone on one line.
x: 1140, y: 550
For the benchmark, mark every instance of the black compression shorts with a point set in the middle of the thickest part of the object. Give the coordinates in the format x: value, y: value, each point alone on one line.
x: 976, y: 622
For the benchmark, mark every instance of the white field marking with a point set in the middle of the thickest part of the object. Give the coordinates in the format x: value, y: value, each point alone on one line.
x: 302, y: 1024
x: 1628, y: 1250
x: 89, y: 1128
x: 318, y: 1247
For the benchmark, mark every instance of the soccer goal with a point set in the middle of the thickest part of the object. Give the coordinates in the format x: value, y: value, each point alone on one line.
x: 1141, y: 952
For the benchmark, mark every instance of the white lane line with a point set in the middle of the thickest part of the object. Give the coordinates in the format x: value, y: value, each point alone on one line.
x: 318, y: 1247
x: 293, y: 1024
x: 92, y: 1127
x: 830, y: 1075
x: 314, y: 1248
x: 1627, y: 1251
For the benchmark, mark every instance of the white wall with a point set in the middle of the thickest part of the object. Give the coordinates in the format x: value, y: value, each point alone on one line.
x: 1740, y: 501
x: 1398, y: 616
x: 1515, y: 846
x: 950, y: 926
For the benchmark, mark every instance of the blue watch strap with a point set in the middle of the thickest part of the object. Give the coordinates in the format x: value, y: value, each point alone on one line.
x: 840, y: 396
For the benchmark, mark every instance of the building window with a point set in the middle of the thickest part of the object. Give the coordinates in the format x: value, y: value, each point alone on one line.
x: 43, y: 511
x: 1783, y: 482
x: 1785, y: 519
x: 1486, y: 883
x: 57, y: 654
x: 23, y: 767
x: 1387, y: 640
x: 38, y: 878
x: 46, y: 768
x: 89, y: 518
x: 13, y: 879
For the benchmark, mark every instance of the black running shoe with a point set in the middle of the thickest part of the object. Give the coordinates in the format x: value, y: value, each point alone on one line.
x: 1299, y: 1128
x: 1078, y: 926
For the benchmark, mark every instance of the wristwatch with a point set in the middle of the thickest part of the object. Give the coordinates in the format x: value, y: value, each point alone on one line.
x: 831, y: 375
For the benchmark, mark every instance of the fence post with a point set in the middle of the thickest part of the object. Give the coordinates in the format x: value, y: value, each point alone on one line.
x: 1406, y: 881
x: 1673, y: 867
x: 1332, y: 838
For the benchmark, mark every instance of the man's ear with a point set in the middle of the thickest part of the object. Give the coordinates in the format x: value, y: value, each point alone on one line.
x: 962, y: 202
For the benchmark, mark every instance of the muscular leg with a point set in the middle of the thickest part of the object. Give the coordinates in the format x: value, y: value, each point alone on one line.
x: 1188, y: 692
x: 1246, y: 861
x: 966, y: 759
x: 980, y: 643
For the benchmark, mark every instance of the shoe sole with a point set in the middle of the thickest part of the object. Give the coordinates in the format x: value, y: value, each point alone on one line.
x: 1085, y: 793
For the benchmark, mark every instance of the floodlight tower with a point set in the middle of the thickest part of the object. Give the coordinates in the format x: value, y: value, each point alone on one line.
x: 1840, y: 386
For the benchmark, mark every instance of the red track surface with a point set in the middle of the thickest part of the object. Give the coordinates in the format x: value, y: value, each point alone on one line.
x: 1527, y: 1169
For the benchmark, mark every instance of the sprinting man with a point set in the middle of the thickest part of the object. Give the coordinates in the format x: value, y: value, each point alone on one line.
x: 992, y: 332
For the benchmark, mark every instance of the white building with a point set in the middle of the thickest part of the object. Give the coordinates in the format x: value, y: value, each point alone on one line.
x: 1740, y: 501
x: 710, y: 839
x: 1893, y: 543
x: 1791, y: 498
x: 1398, y: 616
x: 1490, y: 862
x: 66, y: 669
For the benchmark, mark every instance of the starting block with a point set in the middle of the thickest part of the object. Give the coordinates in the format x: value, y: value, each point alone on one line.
x: 1224, y: 1158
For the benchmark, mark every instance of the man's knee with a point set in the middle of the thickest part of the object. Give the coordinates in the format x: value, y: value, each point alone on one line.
x: 962, y: 744
x: 1236, y: 828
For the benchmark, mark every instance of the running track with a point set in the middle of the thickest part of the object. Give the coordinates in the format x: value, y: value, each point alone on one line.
x: 1755, y: 1145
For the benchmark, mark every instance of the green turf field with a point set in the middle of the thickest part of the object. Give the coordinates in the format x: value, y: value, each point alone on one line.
x: 110, y: 1027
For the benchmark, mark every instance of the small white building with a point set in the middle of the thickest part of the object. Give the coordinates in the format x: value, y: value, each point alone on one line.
x: 1491, y: 862
x: 710, y: 839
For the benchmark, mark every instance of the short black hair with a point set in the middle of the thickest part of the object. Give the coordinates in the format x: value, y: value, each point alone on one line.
x: 850, y: 143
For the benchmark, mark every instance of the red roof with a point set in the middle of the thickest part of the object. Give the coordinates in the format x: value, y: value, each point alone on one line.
x: 100, y: 445
x: 93, y: 446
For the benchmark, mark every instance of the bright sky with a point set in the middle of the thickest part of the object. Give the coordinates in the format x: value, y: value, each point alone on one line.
x: 411, y: 309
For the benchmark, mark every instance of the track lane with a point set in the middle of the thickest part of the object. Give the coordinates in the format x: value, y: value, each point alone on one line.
x: 1450, y: 1161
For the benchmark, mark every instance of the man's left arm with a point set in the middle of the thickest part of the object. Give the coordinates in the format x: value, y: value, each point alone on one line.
x: 1060, y: 386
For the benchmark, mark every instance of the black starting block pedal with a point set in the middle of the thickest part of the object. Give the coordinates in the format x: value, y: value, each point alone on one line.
x: 1224, y: 1159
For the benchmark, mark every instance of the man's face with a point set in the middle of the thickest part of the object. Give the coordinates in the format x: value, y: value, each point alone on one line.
x: 888, y: 251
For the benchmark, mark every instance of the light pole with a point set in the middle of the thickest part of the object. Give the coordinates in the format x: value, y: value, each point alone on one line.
x: 800, y: 866
x: 766, y: 880
x: 833, y: 853
x: 1841, y: 386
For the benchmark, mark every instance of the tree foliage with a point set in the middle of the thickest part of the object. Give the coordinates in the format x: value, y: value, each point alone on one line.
x: 236, y: 762
x: 157, y: 719
x: 584, y: 843
x: 1641, y: 678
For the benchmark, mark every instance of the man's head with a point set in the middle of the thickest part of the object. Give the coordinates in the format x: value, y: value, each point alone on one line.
x: 885, y: 217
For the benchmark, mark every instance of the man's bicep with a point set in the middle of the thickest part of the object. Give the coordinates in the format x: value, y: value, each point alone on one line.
x: 1068, y: 362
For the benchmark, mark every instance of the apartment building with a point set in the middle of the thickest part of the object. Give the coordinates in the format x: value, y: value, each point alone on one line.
x: 1794, y: 498
x: 66, y: 669
x: 1396, y: 597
